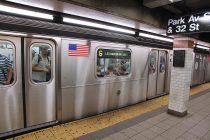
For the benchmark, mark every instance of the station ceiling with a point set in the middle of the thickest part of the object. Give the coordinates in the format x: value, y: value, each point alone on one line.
x: 181, y: 8
x: 192, y: 6
x: 131, y: 13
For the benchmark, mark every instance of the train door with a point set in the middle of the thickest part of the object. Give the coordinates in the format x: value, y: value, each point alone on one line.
x: 40, y: 87
x: 204, y: 68
x: 161, y: 72
x: 195, y: 80
x: 157, y: 73
x: 11, y: 97
x: 208, y: 69
x: 152, y: 79
x: 201, y: 69
x: 19, y: 76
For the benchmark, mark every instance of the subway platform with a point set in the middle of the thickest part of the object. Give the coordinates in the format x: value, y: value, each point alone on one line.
x: 144, y: 121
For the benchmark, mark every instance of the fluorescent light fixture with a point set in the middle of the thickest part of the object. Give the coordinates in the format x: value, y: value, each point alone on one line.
x: 12, y: 33
x: 41, y: 36
x: 202, y: 47
x: 25, y: 12
x: 205, y: 18
x: 156, y: 37
x: 96, y: 25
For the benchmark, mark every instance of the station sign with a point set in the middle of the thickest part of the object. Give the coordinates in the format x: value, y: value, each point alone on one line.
x: 111, y: 53
x: 189, y: 24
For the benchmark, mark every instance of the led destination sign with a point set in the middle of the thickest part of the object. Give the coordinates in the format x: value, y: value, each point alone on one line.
x: 109, y: 53
x: 189, y: 24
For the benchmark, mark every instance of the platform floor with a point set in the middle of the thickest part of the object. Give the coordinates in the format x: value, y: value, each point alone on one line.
x: 146, y: 120
x: 158, y: 125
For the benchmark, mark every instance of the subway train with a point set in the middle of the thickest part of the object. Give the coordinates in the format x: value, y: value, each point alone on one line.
x: 59, y: 73
x: 201, y: 69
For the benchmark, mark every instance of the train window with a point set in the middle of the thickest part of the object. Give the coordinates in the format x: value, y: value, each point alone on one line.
x: 41, y: 62
x: 162, y: 63
x: 196, y: 65
x: 112, y: 62
x: 152, y: 64
x: 6, y: 63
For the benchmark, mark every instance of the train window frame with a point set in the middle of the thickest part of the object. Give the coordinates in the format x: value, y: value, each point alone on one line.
x: 14, y: 63
x: 196, y: 66
x: 112, y: 48
x: 31, y: 59
x: 163, y: 56
x: 156, y: 61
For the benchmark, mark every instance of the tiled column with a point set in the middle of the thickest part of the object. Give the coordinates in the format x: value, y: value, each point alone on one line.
x: 180, y: 80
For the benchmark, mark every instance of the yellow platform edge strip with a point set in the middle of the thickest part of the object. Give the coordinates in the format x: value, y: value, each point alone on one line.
x: 82, y: 127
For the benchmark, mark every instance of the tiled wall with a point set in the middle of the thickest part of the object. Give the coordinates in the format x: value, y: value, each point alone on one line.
x: 180, y: 83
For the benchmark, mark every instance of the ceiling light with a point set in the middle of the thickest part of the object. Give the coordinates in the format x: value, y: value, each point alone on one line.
x: 40, y: 36
x: 12, y: 33
x: 205, y: 17
x: 156, y: 37
x: 202, y: 47
x: 25, y: 12
x: 97, y: 25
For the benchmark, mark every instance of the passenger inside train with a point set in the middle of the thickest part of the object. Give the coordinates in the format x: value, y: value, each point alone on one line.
x: 113, y: 67
x: 41, y: 64
x: 110, y: 71
x: 6, y: 70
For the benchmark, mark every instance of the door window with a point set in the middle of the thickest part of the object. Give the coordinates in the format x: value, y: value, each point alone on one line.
x: 7, y: 55
x: 162, y: 63
x: 111, y: 62
x: 41, y: 62
x: 152, y: 64
x: 196, y: 65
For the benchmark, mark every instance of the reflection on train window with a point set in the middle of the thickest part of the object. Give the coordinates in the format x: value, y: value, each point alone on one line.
x: 41, y: 62
x: 162, y: 63
x: 196, y: 66
x: 6, y: 63
x: 113, y: 62
x: 152, y: 64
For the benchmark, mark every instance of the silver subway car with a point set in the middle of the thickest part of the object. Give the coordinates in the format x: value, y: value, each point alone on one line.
x: 201, y: 67
x: 51, y: 82
x: 73, y: 73
x: 112, y: 76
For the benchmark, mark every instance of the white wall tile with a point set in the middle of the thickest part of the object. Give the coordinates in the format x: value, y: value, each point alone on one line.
x: 180, y: 83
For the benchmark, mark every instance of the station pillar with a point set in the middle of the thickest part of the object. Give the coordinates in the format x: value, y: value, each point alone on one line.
x: 180, y: 78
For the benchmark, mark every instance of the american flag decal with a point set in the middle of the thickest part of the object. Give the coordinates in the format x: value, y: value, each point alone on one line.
x: 78, y: 50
